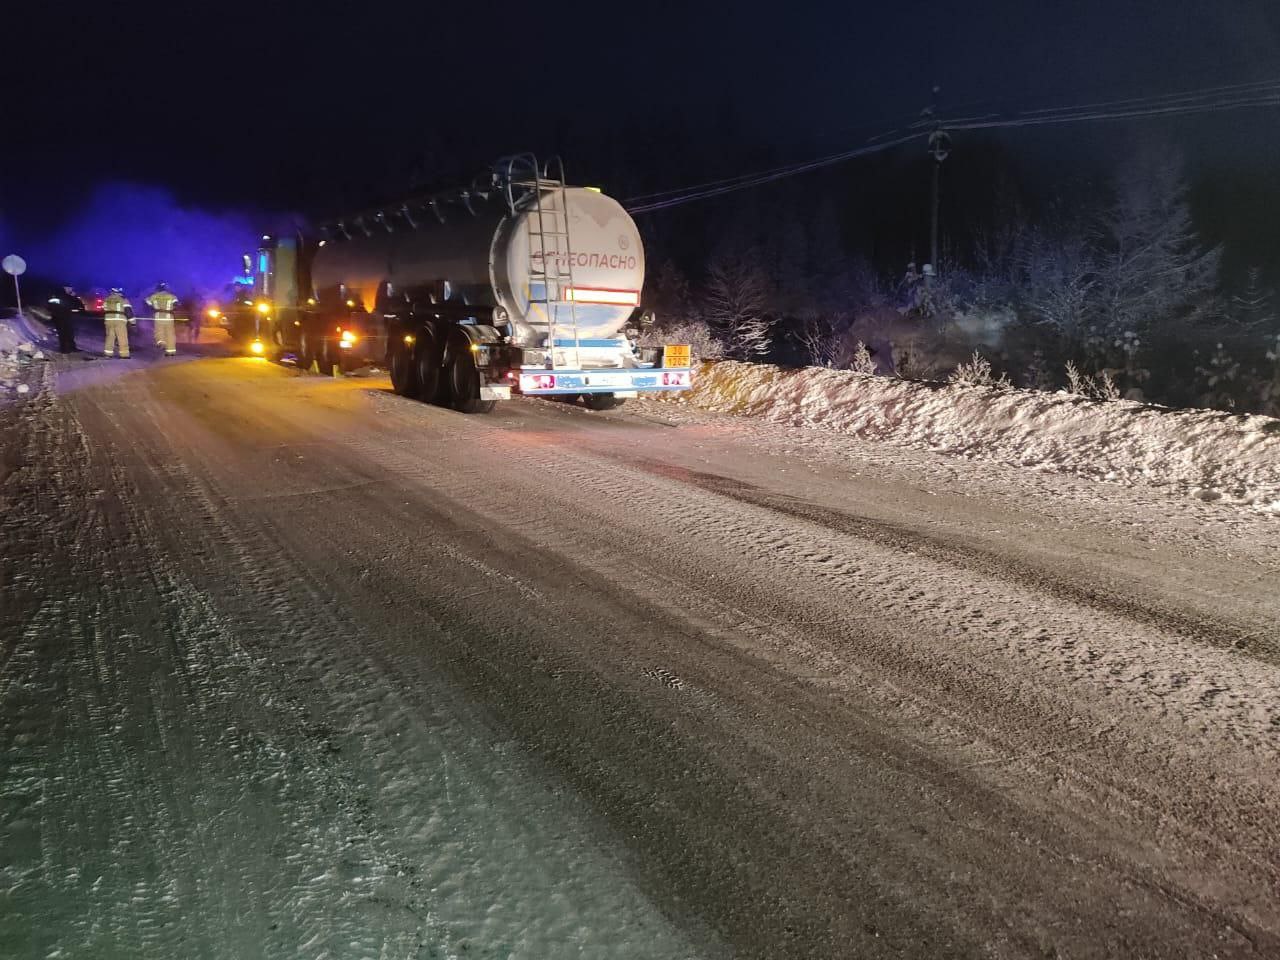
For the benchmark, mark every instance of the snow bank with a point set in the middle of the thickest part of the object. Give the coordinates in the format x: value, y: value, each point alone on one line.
x: 19, y: 331
x: 20, y: 338
x: 1205, y: 453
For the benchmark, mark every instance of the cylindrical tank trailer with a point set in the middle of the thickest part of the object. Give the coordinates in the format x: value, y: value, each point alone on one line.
x: 497, y: 258
x: 520, y: 284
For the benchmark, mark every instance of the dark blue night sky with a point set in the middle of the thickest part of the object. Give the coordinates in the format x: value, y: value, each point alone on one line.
x: 285, y: 110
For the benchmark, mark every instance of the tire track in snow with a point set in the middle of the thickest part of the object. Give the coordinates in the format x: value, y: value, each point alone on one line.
x: 1120, y: 755
x: 554, y: 469
x: 143, y: 735
x: 967, y: 556
x: 376, y: 714
x: 745, y: 584
x: 324, y: 899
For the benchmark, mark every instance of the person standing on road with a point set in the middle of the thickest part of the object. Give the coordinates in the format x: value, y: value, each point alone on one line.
x: 115, y: 317
x: 61, y: 306
x: 162, y: 302
x: 192, y: 304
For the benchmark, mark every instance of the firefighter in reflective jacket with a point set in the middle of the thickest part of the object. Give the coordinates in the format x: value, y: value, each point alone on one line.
x: 114, y: 313
x: 163, y: 302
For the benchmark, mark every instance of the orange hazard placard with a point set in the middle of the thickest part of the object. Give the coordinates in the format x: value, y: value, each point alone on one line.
x: 676, y: 355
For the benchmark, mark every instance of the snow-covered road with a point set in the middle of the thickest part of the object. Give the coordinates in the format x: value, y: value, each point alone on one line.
x: 292, y: 667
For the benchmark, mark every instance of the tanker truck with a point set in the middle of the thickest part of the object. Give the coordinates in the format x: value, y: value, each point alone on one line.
x: 515, y: 284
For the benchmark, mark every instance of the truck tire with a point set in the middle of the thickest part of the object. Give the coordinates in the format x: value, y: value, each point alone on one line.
x: 306, y: 352
x: 332, y: 357
x: 427, y: 368
x: 464, y: 381
x: 404, y: 372
x: 601, y: 401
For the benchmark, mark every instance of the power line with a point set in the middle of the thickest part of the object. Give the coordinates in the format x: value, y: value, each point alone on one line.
x: 716, y: 188
x: 1269, y: 98
x: 1001, y: 106
x: 1200, y: 94
x: 1206, y: 100
x: 739, y: 178
x: 1261, y: 92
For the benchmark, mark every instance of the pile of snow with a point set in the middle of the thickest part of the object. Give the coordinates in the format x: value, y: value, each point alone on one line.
x: 1205, y: 453
x: 20, y: 336
x: 21, y: 333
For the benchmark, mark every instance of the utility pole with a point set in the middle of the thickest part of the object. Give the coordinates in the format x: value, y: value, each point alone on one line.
x: 940, y: 148
x: 933, y: 220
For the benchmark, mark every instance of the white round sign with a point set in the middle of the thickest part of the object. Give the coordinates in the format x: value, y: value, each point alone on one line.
x: 14, y: 265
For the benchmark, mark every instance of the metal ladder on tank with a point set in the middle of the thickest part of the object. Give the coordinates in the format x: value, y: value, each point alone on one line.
x: 552, y: 238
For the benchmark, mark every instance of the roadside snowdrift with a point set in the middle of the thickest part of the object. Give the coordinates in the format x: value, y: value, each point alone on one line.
x: 1205, y: 453
x: 21, y: 331
x: 19, y: 336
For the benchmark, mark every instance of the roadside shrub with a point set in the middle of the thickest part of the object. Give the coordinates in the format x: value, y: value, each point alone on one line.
x: 703, y: 344
x: 862, y: 361
x: 976, y: 372
x: 1102, y: 387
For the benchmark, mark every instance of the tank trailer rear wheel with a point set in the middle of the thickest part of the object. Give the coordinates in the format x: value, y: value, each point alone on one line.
x: 426, y: 367
x: 404, y: 372
x: 464, y: 381
x: 601, y: 401
x: 304, y: 355
x: 331, y: 358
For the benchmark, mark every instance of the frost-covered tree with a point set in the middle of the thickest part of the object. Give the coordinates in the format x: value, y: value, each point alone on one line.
x: 752, y: 338
x: 735, y: 290
x: 817, y: 338
x: 735, y: 302
x: 1058, y: 277
x: 1152, y: 268
x: 862, y: 361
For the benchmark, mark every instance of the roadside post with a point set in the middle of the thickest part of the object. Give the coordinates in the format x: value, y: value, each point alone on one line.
x: 15, y: 266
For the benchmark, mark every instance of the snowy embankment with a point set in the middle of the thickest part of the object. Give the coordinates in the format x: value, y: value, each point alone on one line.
x: 1205, y: 453
x: 20, y: 336
x: 21, y: 332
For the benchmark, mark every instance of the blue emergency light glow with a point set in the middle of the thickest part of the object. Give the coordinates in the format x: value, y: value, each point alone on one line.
x: 152, y: 235
x: 262, y: 263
